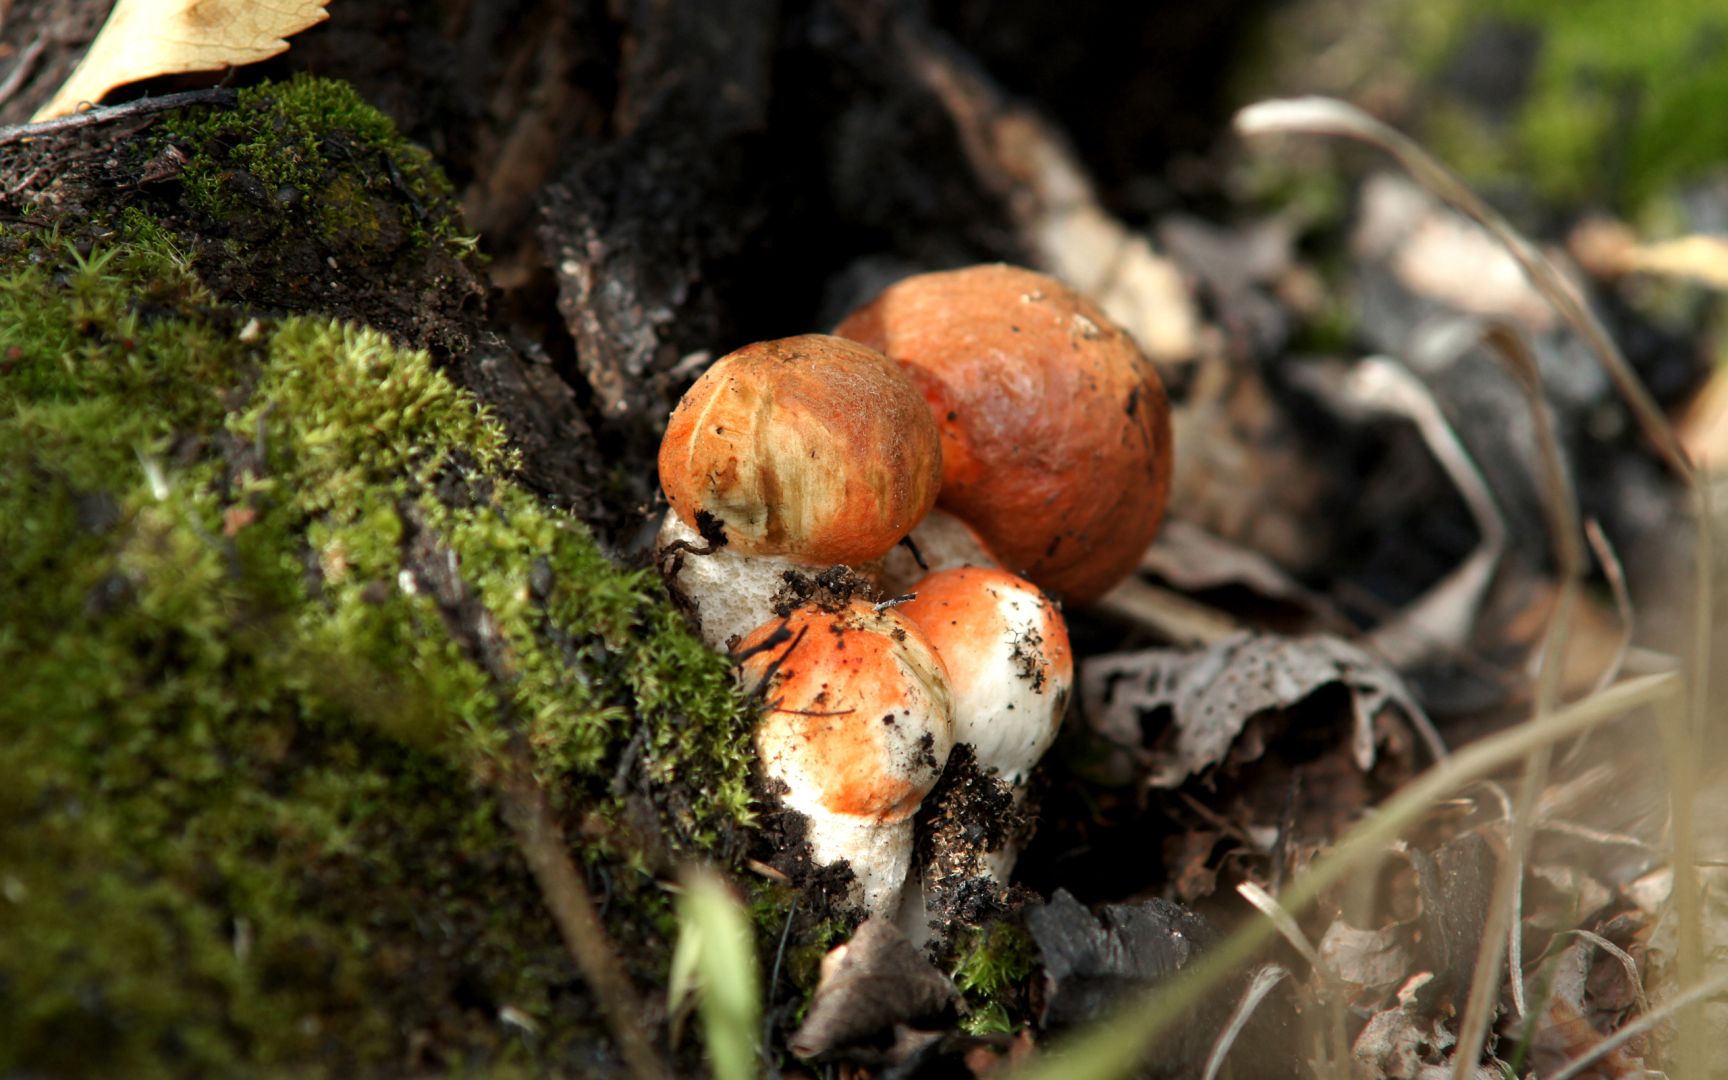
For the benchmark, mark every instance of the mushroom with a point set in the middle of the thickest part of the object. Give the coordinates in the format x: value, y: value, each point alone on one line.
x: 1055, y: 428
x: 730, y: 593
x: 1006, y: 650
x: 857, y: 722
x: 812, y: 448
x: 939, y: 542
x: 804, y: 452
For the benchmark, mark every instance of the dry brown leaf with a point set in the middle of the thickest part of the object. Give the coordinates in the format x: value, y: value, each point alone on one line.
x: 868, y: 985
x: 1192, y: 559
x: 1213, y: 692
x: 1372, y: 960
x: 146, y: 38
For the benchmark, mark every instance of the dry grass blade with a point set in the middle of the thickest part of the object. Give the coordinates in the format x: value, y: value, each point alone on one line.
x: 1261, y: 985
x: 1112, y: 1048
x: 1505, y: 913
x: 1283, y: 920
x: 1325, y: 116
x: 1626, y: 962
x: 1688, y: 1000
x: 1688, y: 889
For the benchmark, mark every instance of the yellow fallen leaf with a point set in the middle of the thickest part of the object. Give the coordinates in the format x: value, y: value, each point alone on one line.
x: 146, y: 38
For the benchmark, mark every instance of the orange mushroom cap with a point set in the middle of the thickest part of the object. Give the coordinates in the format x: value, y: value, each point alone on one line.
x: 857, y: 722
x: 1006, y: 650
x: 1055, y: 428
x: 813, y: 448
x: 858, y: 713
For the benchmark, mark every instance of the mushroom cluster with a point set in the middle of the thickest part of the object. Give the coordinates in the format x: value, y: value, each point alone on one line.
x: 999, y: 395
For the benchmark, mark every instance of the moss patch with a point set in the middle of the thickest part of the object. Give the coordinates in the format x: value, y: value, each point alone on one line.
x: 996, y: 963
x: 272, y: 597
x: 298, y: 197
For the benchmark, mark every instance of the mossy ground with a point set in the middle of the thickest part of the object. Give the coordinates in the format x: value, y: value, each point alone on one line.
x: 296, y: 197
x: 244, y: 751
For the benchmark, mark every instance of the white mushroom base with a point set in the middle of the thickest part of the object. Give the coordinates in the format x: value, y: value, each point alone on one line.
x: 879, y: 852
x: 729, y: 591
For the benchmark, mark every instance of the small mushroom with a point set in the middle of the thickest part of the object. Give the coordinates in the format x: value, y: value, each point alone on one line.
x: 1055, y: 428
x: 857, y: 721
x: 1006, y: 650
x: 811, y: 448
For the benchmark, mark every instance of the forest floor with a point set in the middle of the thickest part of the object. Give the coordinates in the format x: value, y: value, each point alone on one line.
x: 1373, y: 523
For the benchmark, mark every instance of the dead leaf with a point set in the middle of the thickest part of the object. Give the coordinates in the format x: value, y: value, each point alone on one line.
x: 1372, y: 960
x: 1704, y: 426
x: 1051, y: 199
x: 1213, y: 692
x: 1241, y: 471
x: 1563, y: 1030
x: 1095, y: 962
x: 1440, y: 254
x: 146, y: 38
x: 870, y: 984
x: 1192, y: 559
x: 1609, y: 248
x: 1399, y: 1044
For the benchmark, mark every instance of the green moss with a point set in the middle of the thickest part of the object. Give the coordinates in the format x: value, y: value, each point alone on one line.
x: 245, y: 737
x: 1625, y: 99
x: 997, y: 959
x: 310, y: 154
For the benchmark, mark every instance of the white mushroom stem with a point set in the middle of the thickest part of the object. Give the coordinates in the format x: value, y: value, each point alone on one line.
x: 943, y: 541
x: 1006, y: 649
x: 729, y: 592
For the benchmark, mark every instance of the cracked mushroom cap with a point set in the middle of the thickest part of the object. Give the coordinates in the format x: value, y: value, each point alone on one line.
x: 1055, y: 428
x: 857, y: 721
x: 812, y: 448
x: 1006, y: 650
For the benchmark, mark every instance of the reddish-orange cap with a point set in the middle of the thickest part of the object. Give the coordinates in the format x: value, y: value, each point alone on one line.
x: 813, y: 448
x: 1055, y: 428
x: 857, y: 712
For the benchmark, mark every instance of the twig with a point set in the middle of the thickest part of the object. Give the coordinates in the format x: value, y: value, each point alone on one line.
x: 538, y: 834
x: 20, y: 72
x: 104, y: 113
x: 1261, y: 985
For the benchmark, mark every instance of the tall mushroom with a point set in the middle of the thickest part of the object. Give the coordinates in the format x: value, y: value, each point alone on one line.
x: 1055, y: 428
x: 857, y: 721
